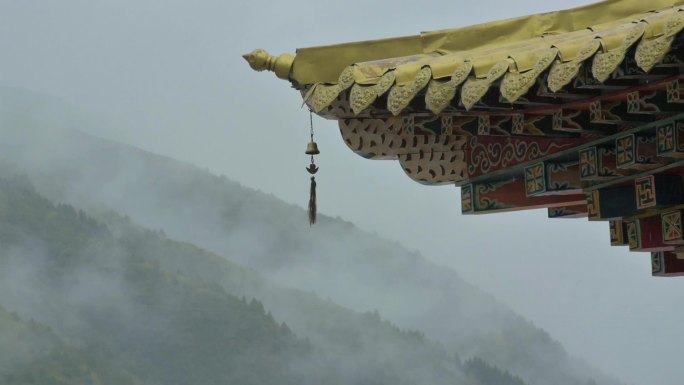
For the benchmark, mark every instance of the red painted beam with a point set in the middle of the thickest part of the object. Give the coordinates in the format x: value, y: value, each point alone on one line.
x: 509, y: 195
x: 646, y: 235
x: 666, y: 264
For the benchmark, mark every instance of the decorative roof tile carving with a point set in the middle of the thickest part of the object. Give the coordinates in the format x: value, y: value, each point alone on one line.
x: 442, y: 64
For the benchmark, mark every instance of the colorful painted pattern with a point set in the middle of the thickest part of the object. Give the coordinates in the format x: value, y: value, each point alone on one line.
x: 407, y: 125
x: 625, y: 149
x: 593, y: 207
x: 490, y: 196
x: 672, y: 226
x: 518, y: 124
x: 666, y: 138
x: 645, y: 192
x: 578, y: 211
x: 535, y: 182
x: 673, y: 91
x: 633, y: 235
x: 640, y: 102
x: 467, y: 199
x: 633, y: 102
x: 483, y: 125
x: 494, y: 153
x: 557, y: 120
x: 595, y: 111
x: 617, y: 235
x: 657, y: 265
x: 588, y: 163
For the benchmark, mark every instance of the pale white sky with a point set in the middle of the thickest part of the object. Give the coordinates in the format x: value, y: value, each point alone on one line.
x: 168, y: 76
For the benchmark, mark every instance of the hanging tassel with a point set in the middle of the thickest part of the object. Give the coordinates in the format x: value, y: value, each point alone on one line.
x: 312, y: 201
x: 312, y: 149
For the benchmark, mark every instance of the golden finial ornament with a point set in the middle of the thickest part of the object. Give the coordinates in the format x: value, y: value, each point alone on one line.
x: 261, y: 60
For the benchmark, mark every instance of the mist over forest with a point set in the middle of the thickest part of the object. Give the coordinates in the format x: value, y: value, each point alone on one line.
x: 119, y: 266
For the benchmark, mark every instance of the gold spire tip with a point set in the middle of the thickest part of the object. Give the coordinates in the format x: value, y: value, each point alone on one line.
x: 261, y: 60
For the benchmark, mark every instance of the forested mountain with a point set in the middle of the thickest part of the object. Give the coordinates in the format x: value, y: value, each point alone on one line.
x: 31, y: 354
x: 137, y: 301
x: 332, y: 260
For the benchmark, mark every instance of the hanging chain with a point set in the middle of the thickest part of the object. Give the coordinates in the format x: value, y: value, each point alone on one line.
x: 311, y: 132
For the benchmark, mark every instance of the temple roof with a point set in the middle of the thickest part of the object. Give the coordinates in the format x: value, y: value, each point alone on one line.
x: 459, y: 66
x: 578, y: 111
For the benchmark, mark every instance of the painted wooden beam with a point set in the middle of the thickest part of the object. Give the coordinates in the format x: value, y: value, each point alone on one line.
x: 552, y: 178
x: 578, y: 120
x: 534, y: 124
x: 629, y: 69
x: 611, y: 203
x: 509, y: 195
x: 568, y: 93
x: 577, y: 211
x: 599, y: 164
x: 636, y: 151
x: 616, y: 112
x: 675, y: 91
x: 486, y: 154
x: 670, y: 139
x: 671, y: 221
x: 651, y: 102
x: 618, y: 233
x: 666, y: 264
x: 658, y: 191
x: 646, y: 234
x: 585, y: 80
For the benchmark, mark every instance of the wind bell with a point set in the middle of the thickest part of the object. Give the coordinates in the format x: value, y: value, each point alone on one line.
x: 312, y: 149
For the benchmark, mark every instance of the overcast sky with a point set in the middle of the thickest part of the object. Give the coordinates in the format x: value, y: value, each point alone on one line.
x: 168, y: 77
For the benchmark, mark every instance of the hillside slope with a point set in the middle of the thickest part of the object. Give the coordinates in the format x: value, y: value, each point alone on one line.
x: 160, y: 310
x: 31, y: 354
x: 333, y: 259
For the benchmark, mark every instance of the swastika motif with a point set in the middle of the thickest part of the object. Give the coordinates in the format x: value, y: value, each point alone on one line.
x: 593, y: 207
x: 645, y: 192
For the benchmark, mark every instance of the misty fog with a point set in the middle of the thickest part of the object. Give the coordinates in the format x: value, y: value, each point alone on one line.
x: 392, y: 285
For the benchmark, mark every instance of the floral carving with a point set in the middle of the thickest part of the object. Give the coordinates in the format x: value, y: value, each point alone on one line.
x: 651, y: 52
x: 346, y: 78
x: 562, y: 73
x: 474, y: 89
x: 605, y: 63
x: 515, y: 85
x: 362, y: 97
x: 323, y: 95
x: 400, y: 95
x: 675, y: 24
x: 440, y: 93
